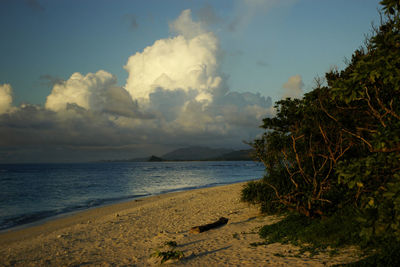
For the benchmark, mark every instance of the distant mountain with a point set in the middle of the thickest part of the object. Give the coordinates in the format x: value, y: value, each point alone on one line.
x: 154, y: 159
x: 196, y: 153
x: 127, y: 160
x: 237, y: 155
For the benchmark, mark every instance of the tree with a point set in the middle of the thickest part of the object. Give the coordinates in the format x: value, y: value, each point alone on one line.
x: 370, y: 90
x: 340, y: 144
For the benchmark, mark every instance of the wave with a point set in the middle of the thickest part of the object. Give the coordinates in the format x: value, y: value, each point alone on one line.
x: 187, y: 188
x: 9, y: 222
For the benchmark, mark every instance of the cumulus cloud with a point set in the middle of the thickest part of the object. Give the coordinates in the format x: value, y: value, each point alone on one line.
x: 95, y: 92
x: 293, y: 88
x: 5, y: 98
x: 179, y: 80
x: 85, y: 91
x: 184, y: 25
x: 175, y: 95
x: 188, y: 61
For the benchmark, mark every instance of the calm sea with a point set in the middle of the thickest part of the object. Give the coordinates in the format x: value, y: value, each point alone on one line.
x: 33, y: 192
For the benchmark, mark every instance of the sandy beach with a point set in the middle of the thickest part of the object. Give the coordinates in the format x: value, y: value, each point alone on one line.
x: 126, y: 234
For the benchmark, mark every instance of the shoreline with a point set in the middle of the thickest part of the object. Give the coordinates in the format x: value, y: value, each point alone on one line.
x: 65, y: 219
x: 106, y: 203
x: 128, y: 233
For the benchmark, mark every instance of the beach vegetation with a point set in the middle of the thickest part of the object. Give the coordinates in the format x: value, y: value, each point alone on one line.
x: 332, y: 158
x: 313, y: 235
x: 171, y: 244
x: 168, y: 255
x: 261, y: 243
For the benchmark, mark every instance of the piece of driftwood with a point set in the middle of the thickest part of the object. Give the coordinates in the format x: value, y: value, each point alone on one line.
x: 206, y: 227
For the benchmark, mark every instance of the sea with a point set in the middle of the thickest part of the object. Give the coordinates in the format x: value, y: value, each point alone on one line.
x: 33, y: 193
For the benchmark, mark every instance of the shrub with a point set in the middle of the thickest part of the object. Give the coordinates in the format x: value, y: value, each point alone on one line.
x: 339, y: 146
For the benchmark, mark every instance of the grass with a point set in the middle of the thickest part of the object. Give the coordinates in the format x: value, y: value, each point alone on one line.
x: 386, y: 253
x: 334, y: 231
x: 328, y: 235
x: 312, y: 235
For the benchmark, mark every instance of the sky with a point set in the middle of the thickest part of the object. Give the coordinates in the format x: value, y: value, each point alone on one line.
x: 99, y: 79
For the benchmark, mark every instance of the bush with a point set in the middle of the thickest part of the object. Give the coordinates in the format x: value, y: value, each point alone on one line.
x: 259, y: 192
x: 338, y: 230
x: 339, y: 146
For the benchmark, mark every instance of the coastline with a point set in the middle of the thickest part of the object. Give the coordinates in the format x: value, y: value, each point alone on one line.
x: 121, y: 200
x: 127, y: 234
x: 92, y: 185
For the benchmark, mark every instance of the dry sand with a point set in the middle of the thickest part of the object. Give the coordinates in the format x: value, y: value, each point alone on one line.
x: 127, y: 234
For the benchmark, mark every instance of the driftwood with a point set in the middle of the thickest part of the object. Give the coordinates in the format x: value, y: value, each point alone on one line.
x: 206, y: 227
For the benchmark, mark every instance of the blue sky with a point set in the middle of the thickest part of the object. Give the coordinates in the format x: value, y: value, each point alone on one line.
x: 57, y: 38
x: 100, y: 79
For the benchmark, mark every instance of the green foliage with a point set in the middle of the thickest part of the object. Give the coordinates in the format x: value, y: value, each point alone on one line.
x: 370, y: 90
x: 339, y: 147
x: 387, y: 255
x: 335, y: 231
x: 259, y: 192
x: 300, y: 149
x: 391, y: 7
x: 328, y: 234
x: 171, y: 244
x: 168, y: 255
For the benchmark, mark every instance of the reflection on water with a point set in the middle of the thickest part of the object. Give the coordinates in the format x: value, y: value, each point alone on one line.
x: 31, y: 192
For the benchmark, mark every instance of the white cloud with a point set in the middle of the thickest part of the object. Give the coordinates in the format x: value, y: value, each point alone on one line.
x: 85, y: 91
x: 179, y: 81
x: 184, y: 25
x: 5, y: 98
x: 175, y: 63
x: 95, y: 92
x: 293, y: 88
x: 175, y: 95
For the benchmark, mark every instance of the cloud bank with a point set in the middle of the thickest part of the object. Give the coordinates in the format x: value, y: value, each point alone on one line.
x: 175, y: 95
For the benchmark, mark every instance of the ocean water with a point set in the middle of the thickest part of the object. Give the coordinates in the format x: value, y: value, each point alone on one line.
x: 30, y: 193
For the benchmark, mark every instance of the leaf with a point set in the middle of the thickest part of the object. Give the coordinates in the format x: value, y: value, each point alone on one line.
x: 371, y: 202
